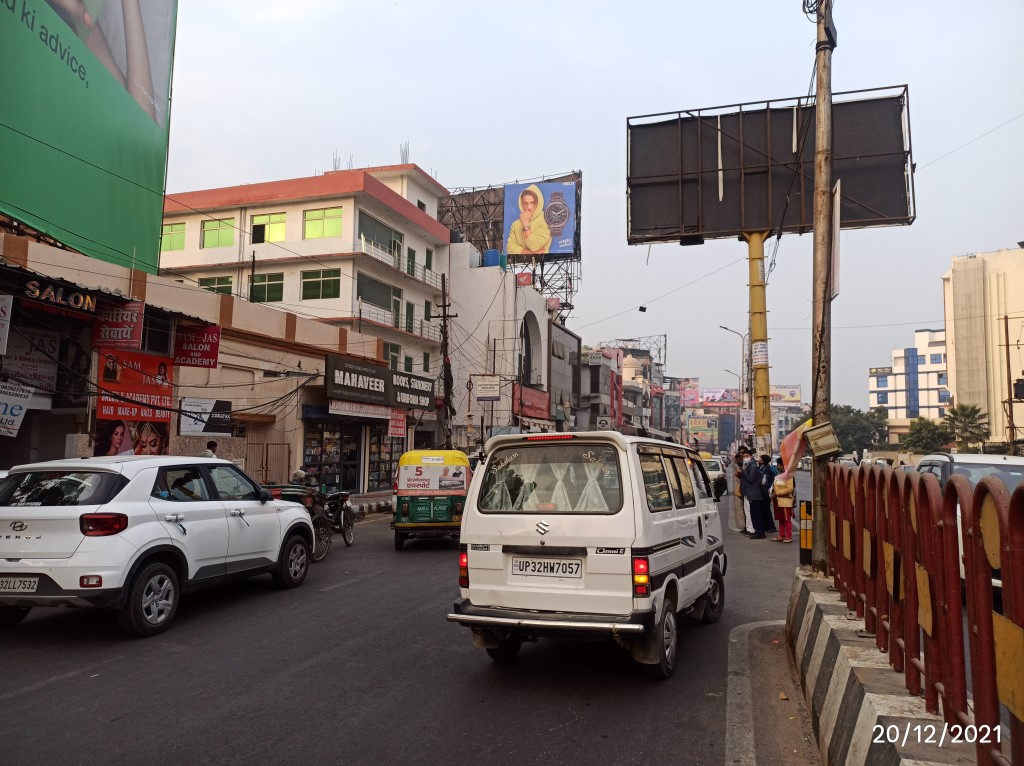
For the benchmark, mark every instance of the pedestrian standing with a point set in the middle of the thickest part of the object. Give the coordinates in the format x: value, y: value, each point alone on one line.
x: 752, y: 484
x: 768, y: 472
x: 784, y: 500
x: 211, y: 449
x: 741, y: 505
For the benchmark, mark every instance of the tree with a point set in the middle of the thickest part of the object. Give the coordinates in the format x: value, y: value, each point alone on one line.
x: 925, y: 436
x: 857, y: 430
x: 968, y: 424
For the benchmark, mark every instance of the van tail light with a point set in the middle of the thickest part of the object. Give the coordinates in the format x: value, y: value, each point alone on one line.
x: 102, y: 524
x: 550, y: 437
x: 463, y: 567
x: 641, y: 576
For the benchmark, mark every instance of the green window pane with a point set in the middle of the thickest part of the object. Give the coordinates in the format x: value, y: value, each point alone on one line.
x: 332, y: 227
x: 426, y: 311
x: 310, y: 291
x: 172, y: 237
x: 429, y: 258
x: 408, y: 364
x: 426, y: 361
x: 219, y: 233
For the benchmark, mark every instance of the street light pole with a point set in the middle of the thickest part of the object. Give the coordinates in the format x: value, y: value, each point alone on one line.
x: 744, y: 392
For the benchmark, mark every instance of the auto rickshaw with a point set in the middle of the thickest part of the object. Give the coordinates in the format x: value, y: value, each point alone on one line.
x: 430, y: 492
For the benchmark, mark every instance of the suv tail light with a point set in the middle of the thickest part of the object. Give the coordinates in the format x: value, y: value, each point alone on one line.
x: 641, y: 576
x: 102, y: 524
x: 463, y: 567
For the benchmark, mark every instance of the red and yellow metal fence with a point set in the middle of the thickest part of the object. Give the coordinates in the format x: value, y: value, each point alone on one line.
x: 894, y: 555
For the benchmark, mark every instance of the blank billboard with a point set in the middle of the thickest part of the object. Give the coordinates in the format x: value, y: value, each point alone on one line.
x: 705, y: 174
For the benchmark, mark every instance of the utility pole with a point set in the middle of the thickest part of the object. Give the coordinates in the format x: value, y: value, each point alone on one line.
x: 762, y: 393
x: 446, y: 365
x: 1009, y: 388
x: 821, y: 290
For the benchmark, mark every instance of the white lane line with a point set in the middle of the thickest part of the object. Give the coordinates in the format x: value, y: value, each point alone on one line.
x: 739, y: 717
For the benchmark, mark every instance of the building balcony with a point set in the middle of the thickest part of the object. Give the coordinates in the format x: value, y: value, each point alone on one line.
x: 402, y: 322
x: 398, y: 262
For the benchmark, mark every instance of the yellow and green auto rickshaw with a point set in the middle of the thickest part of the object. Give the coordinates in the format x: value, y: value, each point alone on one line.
x: 430, y: 492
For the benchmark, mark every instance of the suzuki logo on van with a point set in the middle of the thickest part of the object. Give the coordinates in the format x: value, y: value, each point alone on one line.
x: 543, y: 527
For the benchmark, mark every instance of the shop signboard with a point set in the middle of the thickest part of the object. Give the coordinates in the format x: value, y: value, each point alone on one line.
x: 13, y: 405
x: 410, y: 391
x: 119, y: 325
x: 487, y: 387
x: 6, y: 307
x: 358, y: 410
x: 197, y: 346
x: 531, y: 402
x: 31, y: 361
x: 205, y: 417
x: 133, y: 409
x: 396, y: 424
x: 352, y: 381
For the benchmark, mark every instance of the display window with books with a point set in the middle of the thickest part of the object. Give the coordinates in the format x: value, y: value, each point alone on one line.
x: 331, y: 456
x: 382, y: 460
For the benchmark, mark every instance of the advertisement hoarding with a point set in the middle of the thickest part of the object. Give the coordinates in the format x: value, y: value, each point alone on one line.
x: 205, y: 417
x: 13, y: 405
x: 84, y: 154
x: 540, y: 218
x: 432, y: 479
x: 531, y: 402
x: 785, y: 394
x: 133, y: 408
x: 31, y: 361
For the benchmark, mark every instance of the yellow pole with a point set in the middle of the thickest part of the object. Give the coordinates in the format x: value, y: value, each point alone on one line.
x: 759, y: 342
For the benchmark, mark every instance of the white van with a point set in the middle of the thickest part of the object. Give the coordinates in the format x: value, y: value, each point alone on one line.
x: 589, y: 535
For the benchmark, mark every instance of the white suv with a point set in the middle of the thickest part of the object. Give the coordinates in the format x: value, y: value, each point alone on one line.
x: 133, y: 533
x: 589, y: 536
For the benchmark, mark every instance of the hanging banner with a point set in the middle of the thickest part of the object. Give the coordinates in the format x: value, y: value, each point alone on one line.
x: 31, y: 361
x: 197, y: 346
x: 487, y: 388
x: 6, y: 307
x: 396, y: 424
x: 119, y: 326
x: 133, y: 409
x: 13, y: 405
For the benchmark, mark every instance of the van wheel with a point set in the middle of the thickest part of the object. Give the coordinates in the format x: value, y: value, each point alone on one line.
x: 667, y: 641
x: 399, y: 541
x: 12, y: 615
x: 506, y: 650
x: 714, y: 599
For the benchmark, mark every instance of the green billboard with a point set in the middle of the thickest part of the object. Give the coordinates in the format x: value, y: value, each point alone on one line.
x: 84, y: 122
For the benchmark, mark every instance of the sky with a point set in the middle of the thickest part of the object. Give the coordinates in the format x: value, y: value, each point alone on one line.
x: 487, y: 94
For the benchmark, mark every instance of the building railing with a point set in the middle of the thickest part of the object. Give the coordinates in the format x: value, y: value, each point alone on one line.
x: 400, y: 321
x: 398, y: 261
x: 894, y: 554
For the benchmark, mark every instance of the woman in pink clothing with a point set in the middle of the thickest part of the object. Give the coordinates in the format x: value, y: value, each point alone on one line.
x: 784, y: 495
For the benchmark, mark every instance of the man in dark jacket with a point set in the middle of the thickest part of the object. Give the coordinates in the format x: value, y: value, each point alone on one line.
x: 751, y: 485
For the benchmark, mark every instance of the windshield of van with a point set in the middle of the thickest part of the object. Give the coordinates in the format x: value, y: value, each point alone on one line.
x: 1011, y: 475
x: 552, y: 478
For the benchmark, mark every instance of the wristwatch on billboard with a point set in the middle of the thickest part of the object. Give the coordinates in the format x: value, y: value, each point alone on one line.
x: 557, y: 214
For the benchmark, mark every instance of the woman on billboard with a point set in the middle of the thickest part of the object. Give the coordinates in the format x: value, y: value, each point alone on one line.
x: 529, y: 233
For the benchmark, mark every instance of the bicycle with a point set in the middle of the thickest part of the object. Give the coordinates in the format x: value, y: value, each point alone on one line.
x: 315, y: 504
x: 341, y: 515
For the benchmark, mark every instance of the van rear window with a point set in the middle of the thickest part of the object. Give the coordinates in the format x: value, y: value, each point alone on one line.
x: 552, y: 478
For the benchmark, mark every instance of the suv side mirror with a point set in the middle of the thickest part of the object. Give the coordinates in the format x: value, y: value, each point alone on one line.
x: 265, y: 495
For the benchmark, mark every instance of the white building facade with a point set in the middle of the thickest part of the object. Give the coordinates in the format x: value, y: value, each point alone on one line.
x: 915, y: 384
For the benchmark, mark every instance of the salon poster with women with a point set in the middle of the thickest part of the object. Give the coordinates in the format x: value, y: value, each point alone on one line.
x: 133, y: 407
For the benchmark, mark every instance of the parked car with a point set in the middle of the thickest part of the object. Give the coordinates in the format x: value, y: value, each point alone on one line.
x: 1007, y: 468
x: 589, y: 536
x: 133, y: 533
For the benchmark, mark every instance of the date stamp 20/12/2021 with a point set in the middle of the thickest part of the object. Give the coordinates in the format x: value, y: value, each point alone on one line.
x: 937, y: 734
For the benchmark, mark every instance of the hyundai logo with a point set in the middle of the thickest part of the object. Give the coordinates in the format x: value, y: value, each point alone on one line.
x: 19, y: 526
x: 543, y: 527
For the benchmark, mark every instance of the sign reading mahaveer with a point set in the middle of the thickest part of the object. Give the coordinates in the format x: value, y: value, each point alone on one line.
x: 355, y: 381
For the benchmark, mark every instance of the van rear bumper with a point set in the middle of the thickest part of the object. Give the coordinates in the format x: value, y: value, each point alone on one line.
x: 535, y: 623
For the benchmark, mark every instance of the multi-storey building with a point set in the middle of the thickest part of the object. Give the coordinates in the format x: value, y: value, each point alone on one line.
x: 984, y: 312
x: 914, y: 384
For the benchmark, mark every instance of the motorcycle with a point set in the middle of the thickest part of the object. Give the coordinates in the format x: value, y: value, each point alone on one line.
x: 341, y: 515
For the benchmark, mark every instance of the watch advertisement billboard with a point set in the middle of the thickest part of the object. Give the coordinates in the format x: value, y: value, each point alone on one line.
x: 205, y: 417
x: 133, y: 408
x: 85, y: 152
x: 540, y: 218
